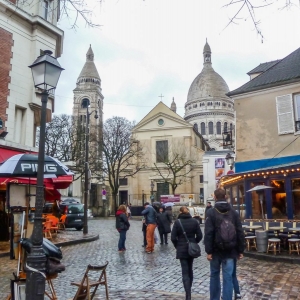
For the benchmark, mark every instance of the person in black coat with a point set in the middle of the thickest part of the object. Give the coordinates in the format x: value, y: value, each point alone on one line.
x: 164, y: 225
x: 194, y: 234
x: 122, y: 226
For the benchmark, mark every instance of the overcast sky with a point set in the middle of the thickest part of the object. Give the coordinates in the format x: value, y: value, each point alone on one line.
x: 147, y: 48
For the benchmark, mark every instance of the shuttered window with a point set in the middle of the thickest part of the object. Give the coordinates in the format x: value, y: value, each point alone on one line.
x: 285, y: 116
x: 297, y: 107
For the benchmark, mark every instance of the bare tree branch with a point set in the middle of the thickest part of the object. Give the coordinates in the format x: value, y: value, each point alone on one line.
x: 251, y: 7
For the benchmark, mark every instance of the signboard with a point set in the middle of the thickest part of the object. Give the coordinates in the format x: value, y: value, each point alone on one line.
x: 169, y: 198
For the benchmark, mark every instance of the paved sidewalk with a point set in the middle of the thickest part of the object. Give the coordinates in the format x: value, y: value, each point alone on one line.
x: 136, y: 275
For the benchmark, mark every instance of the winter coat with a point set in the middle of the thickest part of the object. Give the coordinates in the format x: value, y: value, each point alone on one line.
x: 121, y: 221
x: 193, y: 232
x: 210, y: 230
x: 150, y: 215
x: 164, y: 222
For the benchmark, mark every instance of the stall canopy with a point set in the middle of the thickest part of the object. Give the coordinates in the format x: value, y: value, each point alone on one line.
x: 6, y: 153
x: 22, y: 169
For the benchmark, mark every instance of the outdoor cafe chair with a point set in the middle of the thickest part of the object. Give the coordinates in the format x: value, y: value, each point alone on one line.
x: 47, y: 230
x: 61, y: 223
x: 87, y: 287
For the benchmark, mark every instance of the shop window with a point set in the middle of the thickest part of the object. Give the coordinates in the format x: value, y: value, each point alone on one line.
x: 278, y: 199
x: 296, y: 198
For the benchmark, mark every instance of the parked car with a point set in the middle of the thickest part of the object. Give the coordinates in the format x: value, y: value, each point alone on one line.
x: 75, y: 214
x: 70, y: 200
x: 73, y: 210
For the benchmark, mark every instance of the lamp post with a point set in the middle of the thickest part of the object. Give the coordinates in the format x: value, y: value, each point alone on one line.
x: 229, y: 159
x: 45, y: 71
x: 86, y: 104
x: 152, y: 187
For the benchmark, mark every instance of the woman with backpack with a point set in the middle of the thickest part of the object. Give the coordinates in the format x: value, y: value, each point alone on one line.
x: 122, y: 226
x: 194, y: 234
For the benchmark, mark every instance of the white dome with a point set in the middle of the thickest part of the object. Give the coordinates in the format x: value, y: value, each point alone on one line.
x: 208, y: 84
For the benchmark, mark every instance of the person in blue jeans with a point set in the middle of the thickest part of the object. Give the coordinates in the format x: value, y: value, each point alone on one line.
x: 122, y: 225
x: 235, y: 282
x: 222, y: 255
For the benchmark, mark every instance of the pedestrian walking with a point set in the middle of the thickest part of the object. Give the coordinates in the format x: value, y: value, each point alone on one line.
x: 208, y: 206
x: 224, y: 242
x: 235, y: 282
x: 144, y: 229
x: 164, y: 225
x: 128, y: 211
x: 122, y: 226
x: 150, y: 215
x: 194, y: 234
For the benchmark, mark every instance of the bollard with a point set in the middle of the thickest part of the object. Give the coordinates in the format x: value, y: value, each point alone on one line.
x: 261, y: 240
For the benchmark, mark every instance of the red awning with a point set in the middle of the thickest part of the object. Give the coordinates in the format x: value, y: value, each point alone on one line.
x: 6, y: 153
x: 61, y: 182
x: 52, y: 195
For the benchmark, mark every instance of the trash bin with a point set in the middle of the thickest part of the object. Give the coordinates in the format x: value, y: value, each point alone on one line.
x: 261, y: 240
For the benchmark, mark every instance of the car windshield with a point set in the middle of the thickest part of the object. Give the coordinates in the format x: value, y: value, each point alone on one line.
x: 75, y: 208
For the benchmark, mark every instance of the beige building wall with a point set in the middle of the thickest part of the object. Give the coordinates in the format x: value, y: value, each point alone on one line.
x: 257, y: 134
x: 179, y: 134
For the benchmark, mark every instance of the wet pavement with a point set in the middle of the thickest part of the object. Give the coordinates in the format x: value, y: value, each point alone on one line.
x: 137, y: 275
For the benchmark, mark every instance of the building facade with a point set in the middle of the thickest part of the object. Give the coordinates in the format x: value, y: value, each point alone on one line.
x: 267, y: 140
x: 163, y: 132
x: 25, y: 31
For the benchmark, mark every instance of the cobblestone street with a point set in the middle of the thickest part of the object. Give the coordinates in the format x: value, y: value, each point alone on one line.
x: 137, y: 275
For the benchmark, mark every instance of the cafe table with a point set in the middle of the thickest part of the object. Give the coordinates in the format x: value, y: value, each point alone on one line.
x: 253, y: 227
x: 296, y: 229
x: 276, y: 229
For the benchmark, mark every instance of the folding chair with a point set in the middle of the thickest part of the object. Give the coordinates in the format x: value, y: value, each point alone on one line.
x: 87, y: 287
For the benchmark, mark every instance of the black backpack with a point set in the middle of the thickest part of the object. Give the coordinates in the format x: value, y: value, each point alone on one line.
x: 225, y: 236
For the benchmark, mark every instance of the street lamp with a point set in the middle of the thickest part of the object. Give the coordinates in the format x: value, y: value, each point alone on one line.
x: 229, y: 159
x: 45, y: 72
x: 152, y: 187
x: 85, y: 104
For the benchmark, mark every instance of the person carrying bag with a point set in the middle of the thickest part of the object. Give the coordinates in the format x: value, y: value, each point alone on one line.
x: 185, y: 232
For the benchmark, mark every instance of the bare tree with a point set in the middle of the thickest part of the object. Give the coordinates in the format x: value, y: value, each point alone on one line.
x: 122, y: 154
x: 250, y: 7
x: 58, y: 137
x: 175, y: 163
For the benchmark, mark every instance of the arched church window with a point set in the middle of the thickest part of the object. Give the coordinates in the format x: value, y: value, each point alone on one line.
x: 195, y: 105
x: 81, y: 118
x: 224, y: 104
x: 210, y: 128
x: 218, y: 127
x: 225, y: 126
x: 85, y: 103
x: 196, y: 127
x: 190, y: 107
x: 231, y: 126
x: 203, y: 128
x: 229, y: 105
